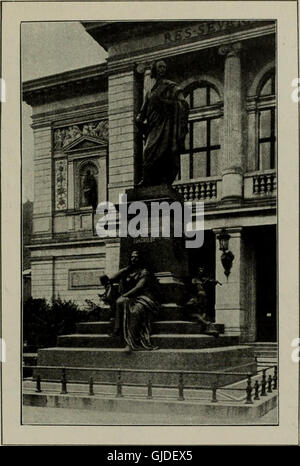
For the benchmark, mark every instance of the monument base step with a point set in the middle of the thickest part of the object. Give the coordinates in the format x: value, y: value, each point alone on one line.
x: 163, y: 341
x: 164, y: 401
x: 158, y: 327
x: 80, y: 363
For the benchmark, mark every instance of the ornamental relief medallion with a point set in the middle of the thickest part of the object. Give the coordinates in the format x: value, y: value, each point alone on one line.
x: 95, y: 129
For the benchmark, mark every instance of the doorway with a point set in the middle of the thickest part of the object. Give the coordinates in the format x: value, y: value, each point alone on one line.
x: 266, y: 283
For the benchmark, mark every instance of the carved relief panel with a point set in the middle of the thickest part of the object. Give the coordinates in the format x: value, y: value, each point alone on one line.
x: 61, y: 184
x: 62, y: 137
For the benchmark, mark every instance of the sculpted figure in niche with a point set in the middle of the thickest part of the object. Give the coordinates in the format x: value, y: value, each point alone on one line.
x: 163, y: 121
x: 89, y: 190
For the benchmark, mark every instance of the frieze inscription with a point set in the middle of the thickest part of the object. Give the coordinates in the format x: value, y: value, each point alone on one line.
x: 203, y: 29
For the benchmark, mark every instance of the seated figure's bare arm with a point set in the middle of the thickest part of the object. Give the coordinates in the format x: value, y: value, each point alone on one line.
x: 117, y: 276
x: 138, y: 287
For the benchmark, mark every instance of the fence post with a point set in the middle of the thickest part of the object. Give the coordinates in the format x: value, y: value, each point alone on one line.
x: 149, y: 386
x: 269, y: 384
x: 38, y: 384
x: 119, y: 385
x: 275, y: 378
x: 63, y: 382
x: 214, y: 393
x: 91, y: 386
x: 256, y: 390
x: 249, y: 390
x: 263, y: 383
x: 180, y: 387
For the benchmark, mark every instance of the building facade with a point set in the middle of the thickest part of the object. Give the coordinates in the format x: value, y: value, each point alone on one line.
x: 84, y: 129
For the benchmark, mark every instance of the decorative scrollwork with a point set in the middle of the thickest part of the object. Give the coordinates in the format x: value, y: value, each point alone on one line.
x: 61, y: 184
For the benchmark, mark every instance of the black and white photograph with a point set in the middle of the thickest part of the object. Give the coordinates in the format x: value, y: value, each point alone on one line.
x: 150, y: 166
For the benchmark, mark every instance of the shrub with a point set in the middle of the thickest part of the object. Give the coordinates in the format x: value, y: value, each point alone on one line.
x: 43, y: 321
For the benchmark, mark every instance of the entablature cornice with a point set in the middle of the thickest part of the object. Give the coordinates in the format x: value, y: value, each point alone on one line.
x: 123, y: 62
x: 63, y: 85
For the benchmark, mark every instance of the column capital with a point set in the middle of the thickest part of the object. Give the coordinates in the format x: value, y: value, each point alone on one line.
x: 230, y: 50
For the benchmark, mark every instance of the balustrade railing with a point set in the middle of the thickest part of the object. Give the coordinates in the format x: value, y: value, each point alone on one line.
x: 264, y: 183
x: 201, y: 190
x: 260, y: 184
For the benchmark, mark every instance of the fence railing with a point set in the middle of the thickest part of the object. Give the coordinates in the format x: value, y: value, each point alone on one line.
x: 258, y: 384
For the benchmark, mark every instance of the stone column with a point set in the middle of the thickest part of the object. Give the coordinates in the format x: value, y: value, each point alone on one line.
x: 232, y: 156
x: 231, y: 296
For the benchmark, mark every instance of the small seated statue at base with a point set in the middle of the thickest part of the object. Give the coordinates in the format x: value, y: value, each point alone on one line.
x: 135, y: 306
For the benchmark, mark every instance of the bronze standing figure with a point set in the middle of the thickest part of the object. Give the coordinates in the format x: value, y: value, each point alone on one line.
x: 163, y: 121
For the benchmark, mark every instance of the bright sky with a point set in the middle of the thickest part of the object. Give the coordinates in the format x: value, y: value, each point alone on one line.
x: 50, y: 48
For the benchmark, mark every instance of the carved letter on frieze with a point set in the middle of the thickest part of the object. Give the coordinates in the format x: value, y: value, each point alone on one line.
x: 95, y: 129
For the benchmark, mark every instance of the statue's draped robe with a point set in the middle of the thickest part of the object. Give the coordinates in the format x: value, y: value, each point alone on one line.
x: 164, y: 118
x: 139, y: 309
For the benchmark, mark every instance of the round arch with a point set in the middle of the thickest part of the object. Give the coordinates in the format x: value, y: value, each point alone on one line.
x: 204, y: 79
x: 255, y: 85
x: 85, y: 163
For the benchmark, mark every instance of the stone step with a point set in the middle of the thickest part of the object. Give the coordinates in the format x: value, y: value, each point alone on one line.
x: 268, y: 354
x: 265, y: 350
x: 94, y: 328
x: 169, y: 311
x: 232, y: 358
x: 174, y: 341
x: 223, y: 412
x: 270, y: 344
x: 158, y: 327
x: 231, y: 403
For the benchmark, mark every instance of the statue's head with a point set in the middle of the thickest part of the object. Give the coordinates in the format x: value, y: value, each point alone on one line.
x: 135, y: 258
x: 104, y: 280
x: 201, y: 271
x: 158, y: 69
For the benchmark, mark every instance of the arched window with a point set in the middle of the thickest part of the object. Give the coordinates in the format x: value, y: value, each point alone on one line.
x: 202, y: 155
x: 267, y: 123
x: 88, y: 185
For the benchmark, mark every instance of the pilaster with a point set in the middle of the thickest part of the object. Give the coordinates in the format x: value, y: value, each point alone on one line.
x: 231, y: 296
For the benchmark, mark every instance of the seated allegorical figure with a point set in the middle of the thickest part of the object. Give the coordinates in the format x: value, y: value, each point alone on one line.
x: 197, y: 305
x: 136, y: 305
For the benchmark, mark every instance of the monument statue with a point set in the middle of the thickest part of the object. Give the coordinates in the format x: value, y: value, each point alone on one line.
x: 136, y: 305
x: 197, y: 306
x: 89, y: 190
x: 163, y: 121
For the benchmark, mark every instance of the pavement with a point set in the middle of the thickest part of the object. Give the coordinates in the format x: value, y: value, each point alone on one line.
x: 62, y: 416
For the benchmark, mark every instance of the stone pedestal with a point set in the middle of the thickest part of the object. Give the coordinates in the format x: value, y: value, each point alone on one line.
x: 165, y: 256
